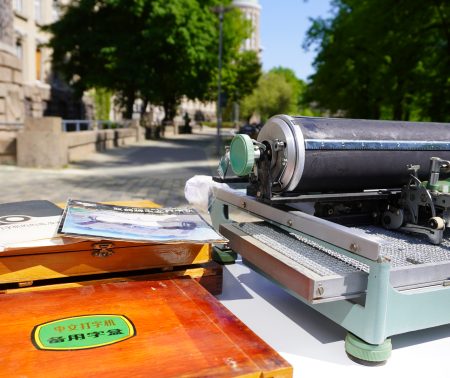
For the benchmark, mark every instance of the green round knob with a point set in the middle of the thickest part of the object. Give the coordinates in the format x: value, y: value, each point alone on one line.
x: 242, y: 155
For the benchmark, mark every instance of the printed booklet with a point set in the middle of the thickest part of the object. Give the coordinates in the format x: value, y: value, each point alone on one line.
x: 92, y: 220
x: 28, y: 224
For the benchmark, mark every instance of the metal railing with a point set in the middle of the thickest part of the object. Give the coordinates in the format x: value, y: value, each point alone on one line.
x: 71, y: 125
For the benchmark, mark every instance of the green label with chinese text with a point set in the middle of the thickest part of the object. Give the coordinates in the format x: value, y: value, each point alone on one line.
x: 82, y: 332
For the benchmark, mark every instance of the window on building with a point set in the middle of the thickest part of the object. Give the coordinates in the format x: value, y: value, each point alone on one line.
x: 18, y: 5
x: 37, y: 10
x: 19, y: 49
x: 28, y: 107
x: 38, y: 64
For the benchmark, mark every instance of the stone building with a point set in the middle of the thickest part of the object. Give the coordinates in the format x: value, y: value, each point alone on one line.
x: 11, y: 88
x: 28, y: 87
x: 251, y: 10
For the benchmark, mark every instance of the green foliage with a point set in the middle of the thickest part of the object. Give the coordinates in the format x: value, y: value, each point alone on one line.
x: 298, y: 91
x: 181, y: 51
x: 102, y: 101
x: 241, y: 75
x: 278, y: 92
x: 158, y: 50
x: 289, y: 75
x: 239, y: 79
x: 383, y: 59
x: 273, y: 95
x: 225, y: 124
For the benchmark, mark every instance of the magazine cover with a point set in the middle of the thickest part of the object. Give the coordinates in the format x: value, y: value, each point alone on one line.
x: 28, y: 224
x: 159, y: 225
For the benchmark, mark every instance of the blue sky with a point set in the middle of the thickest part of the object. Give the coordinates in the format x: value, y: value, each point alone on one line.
x: 283, y: 25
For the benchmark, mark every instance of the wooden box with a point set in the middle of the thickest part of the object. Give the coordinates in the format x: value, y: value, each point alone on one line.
x: 88, y: 257
x: 103, y: 261
x: 169, y: 328
x: 209, y: 275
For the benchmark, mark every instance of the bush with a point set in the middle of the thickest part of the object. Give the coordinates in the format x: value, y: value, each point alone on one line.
x: 225, y: 125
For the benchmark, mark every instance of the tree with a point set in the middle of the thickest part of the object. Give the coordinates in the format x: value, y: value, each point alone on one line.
x: 92, y: 43
x: 239, y: 79
x: 241, y: 76
x: 273, y: 95
x: 155, y: 49
x: 278, y: 91
x: 102, y: 101
x: 298, y: 90
x: 184, y: 50
x: 383, y: 59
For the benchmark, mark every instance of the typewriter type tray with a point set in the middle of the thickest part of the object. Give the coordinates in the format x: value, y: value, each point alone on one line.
x: 320, y: 272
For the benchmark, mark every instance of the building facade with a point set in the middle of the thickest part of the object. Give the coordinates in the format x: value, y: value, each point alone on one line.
x: 11, y: 88
x: 34, y: 58
x: 28, y: 87
x: 251, y: 10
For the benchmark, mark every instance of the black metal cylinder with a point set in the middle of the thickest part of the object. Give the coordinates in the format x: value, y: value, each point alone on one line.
x: 337, y: 155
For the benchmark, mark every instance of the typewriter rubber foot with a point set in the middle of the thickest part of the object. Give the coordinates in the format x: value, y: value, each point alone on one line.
x: 224, y: 256
x: 367, y: 354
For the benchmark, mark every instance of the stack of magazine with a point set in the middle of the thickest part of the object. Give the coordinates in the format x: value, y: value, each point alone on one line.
x: 30, y: 224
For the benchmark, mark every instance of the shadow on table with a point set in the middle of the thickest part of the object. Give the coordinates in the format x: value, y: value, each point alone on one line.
x: 321, y: 328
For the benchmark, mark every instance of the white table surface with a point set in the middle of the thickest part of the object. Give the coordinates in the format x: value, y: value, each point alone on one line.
x: 313, y: 344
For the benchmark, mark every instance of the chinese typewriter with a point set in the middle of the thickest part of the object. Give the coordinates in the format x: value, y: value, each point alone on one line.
x: 350, y: 216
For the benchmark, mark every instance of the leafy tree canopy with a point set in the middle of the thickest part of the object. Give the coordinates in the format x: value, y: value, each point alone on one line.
x: 241, y: 75
x: 274, y: 94
x: 383, y: 59
x: 298, y: 88
x: 158, y: 50
x: 278, y: 92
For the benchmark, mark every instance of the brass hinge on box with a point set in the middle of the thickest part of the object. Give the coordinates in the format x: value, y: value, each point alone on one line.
x: 102, y: 249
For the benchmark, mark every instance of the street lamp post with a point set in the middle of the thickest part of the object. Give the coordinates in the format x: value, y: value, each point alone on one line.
x: 219, y: 82
x: 220, y: 10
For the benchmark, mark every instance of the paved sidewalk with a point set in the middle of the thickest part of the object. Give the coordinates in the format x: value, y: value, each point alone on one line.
x: 151, y: 170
